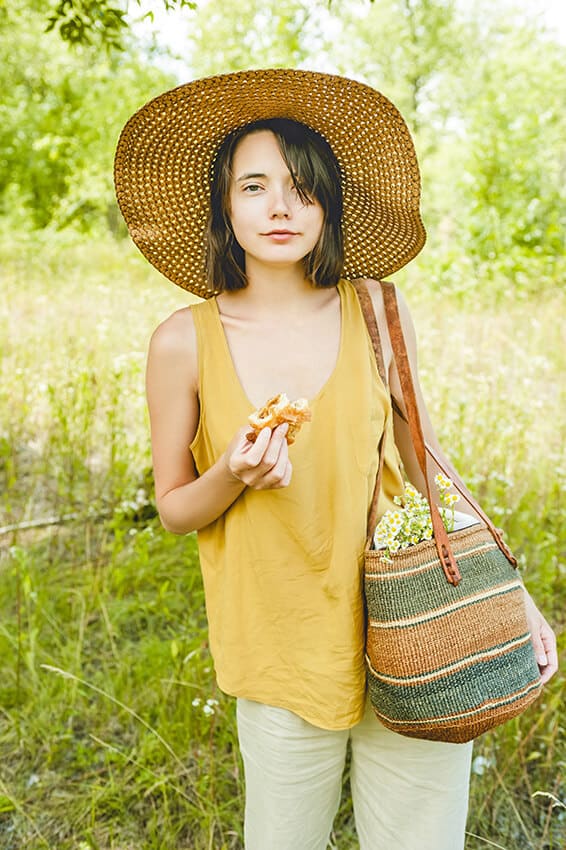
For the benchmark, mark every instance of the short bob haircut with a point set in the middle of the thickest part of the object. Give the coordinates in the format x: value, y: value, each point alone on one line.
x: 315, y: 173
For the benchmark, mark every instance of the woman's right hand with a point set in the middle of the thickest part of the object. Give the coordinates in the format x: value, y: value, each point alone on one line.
x: 263, y: 465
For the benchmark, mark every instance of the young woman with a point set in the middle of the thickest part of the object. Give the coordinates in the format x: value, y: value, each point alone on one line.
x: 267, y: 217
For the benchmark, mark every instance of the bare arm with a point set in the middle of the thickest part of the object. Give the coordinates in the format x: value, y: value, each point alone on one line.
x: 185, y: 500
x: 543, y: 638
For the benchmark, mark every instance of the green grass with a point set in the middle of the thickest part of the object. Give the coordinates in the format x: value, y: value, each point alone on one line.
x: 107, y: 741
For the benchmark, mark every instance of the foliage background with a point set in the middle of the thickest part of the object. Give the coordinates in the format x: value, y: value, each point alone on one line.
x: 133, y: 747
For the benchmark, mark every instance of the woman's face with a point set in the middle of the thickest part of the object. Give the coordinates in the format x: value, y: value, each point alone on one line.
x: 270, y: 221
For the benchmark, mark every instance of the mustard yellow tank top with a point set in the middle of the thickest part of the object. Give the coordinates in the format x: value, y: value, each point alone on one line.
x: 282, y: 568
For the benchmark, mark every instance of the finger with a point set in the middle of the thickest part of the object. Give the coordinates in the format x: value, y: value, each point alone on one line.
x: 273, y: 448
x: 536, y: 624
x: 286, y: 480
x: 255, y: 451
x: 546, y: 674
x: 277, y: 447
x: 548, y: 671
x: 261, y: 441
x: 274, y: 477
x: 262, y: 464
x: 269, y: 471
x: 549, y: 642
x: 245, y: 456
x: 540, y: 652
x: 545, y: 654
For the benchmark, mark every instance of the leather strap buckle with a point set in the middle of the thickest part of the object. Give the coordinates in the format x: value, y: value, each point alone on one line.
x: 450, y: 566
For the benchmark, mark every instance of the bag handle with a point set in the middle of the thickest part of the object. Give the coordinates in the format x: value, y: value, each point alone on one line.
x: 422, y: 448
x: 373, y: 330
x: 371, y: 322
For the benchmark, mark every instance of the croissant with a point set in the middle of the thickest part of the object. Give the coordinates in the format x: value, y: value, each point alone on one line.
x: 276, y: 411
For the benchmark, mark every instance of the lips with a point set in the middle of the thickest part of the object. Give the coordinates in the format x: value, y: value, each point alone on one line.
x: 280, y: 233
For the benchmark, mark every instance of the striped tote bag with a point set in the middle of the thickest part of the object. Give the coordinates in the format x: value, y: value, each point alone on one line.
x: 447, y: 661
x: 448, y: 650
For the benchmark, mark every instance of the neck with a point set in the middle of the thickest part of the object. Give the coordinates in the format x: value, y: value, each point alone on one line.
x: 275, y: 287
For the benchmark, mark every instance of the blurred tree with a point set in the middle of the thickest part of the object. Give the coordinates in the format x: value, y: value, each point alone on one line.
x: 480, y: 86
x: 98, y: 22
x: 403, y: 47
x: 260, y: 33
x: 60, y: 116
x: 102, y: 22
x: 513, y: 183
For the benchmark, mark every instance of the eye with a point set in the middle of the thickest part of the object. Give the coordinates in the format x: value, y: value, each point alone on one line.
x: 252, y: 188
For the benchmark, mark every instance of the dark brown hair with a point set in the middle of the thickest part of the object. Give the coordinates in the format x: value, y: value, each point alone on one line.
x: 315, y: 173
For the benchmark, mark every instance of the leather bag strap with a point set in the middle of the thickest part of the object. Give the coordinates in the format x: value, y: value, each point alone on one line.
x: 445, y: 554
x: 403, y: 366
x: 371, y: 322
x: 422, y: 449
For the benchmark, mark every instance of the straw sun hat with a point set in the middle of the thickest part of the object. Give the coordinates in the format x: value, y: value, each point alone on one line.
x: 166, y: 152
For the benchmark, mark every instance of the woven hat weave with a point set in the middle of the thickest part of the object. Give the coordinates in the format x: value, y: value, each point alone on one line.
x: 166, y: 151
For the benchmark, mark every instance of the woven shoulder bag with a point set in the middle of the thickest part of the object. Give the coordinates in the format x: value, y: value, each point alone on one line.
x: 448, y: 650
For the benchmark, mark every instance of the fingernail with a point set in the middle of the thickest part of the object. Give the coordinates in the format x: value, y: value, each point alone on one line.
x: 542, y: 660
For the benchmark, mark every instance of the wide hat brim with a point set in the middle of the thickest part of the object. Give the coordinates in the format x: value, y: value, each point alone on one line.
x: 166, y: 151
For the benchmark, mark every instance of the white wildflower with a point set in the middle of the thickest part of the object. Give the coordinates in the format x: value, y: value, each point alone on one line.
x: 411, y: 523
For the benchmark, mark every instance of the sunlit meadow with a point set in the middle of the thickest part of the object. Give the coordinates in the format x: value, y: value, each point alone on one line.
x: 112, y: 732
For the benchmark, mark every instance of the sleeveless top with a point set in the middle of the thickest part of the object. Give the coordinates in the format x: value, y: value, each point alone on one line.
x: 282, y: 569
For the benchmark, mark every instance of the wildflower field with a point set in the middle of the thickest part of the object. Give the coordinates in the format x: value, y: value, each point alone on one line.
x: 113, y: 735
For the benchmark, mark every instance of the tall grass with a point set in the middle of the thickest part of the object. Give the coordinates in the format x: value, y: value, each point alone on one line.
x: 112, y: 731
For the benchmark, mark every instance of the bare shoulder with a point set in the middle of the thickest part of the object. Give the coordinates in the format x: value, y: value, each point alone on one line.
x: 175, y: 334
x: 174, y: 342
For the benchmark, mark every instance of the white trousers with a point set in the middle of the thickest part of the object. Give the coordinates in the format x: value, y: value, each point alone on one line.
x: 407, y: 794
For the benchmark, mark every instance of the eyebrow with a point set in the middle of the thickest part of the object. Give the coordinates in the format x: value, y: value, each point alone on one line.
x: 249, y: 177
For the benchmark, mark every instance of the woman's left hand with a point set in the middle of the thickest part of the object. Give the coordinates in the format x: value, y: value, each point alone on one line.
x: 544, y: 640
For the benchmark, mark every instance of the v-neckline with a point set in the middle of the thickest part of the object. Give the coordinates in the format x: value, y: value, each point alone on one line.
x: 312, y: 401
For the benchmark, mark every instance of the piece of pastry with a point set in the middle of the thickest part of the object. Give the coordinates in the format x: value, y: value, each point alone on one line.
x: 276, y: 411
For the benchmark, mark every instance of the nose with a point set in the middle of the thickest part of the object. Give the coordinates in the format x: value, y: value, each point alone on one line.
x: 280, y: 203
